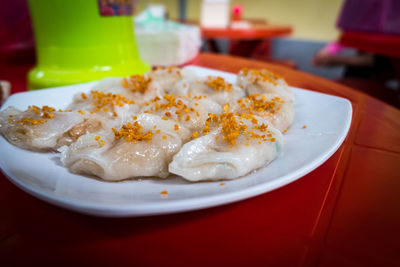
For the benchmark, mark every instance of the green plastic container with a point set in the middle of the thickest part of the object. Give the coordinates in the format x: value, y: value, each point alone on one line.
x: 75, y: 44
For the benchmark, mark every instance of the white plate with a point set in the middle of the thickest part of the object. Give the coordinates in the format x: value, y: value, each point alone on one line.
x: 327, y: 119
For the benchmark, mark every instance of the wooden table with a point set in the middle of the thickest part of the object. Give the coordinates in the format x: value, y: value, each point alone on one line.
x: 344, y: 213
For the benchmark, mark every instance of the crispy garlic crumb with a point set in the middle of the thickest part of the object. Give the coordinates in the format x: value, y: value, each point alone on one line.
x: 100, y: 141
x: 233, y: 126
x: 164, y: 194
x: 30, y: 121
x: 170, y: 69
x: 263, y: 75
x: 102, y: 99
x: 136, y: 83
x: 44, y: 114
x: 132, y: 133
x: 226, y: 107
x: 259, y: 103
x: 170, y: 102
x: 218, y: 84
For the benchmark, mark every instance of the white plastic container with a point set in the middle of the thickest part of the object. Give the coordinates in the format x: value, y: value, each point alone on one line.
x: 215, y: 14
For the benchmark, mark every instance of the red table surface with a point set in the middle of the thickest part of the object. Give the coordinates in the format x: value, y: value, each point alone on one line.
x: 344, y: 213
x: 252, y: 33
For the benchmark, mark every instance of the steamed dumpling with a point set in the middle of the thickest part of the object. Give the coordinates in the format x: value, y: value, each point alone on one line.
x: 169, y: 76
x: 139, y: 88
x: 211, y: 87
x: 263, y: 81
x: 143, y: 146
x: 191, y: 112
x: 235, y: 146
x: 144, y: 87
x: 104, y: 104
x: 272, y: 107
x: 45, y: 128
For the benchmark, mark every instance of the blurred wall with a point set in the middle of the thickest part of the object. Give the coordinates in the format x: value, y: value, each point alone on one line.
x: 311, y: 19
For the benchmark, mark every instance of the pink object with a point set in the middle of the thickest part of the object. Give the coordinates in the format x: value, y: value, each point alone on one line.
x: 237, y: 12
x: 237, y: 9
x: 334, y: 48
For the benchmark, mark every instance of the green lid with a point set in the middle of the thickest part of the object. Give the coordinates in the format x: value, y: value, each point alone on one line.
x: 75, y: 44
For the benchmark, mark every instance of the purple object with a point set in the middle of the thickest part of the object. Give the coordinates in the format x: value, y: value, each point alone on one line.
x: 15, y: 27
x: 375, y: 16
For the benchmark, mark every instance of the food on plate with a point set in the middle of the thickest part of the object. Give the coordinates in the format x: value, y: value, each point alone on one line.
x: 139, y: 88
x: 45, y: 128
x: 143, y: 88
x: 190, y: 112
x: 231, y: 146
x: 212, y: 87
x: 168, y: 77
x: 279, y: 112
x: 142, y: 146
x: 167, y: 121
x: 255, y: 81
x: 112, y: 106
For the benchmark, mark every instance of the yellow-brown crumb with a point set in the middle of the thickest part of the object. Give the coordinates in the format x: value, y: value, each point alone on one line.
x: 218, y: 84
x: 263, y: 75
x: 136, y: 83
x: 132, y: 133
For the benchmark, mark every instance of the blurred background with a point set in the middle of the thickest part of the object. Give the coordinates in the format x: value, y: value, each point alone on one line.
x: 306, y: 36
x: 353, y: 42
x: 311, y: 19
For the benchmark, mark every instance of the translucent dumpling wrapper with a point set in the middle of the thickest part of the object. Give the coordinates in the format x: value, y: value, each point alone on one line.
x: 105, y: 104
x: 279, y: 112
x: 263, y: 81
x: 138, y: 88
x: 169, y: 76
x: 141, y: 147
x: 45, y: 129
x: 191, y: 112
x: 233, y: 147
x: 144, y: 87
x: 213, y: 87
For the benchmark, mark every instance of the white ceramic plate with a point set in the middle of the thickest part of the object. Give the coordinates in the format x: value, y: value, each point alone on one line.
x: 327, y: 119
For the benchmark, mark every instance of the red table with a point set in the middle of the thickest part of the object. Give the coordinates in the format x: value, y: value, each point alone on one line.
x: 263, y: 31
x: 246, y: 42
x: 344, y: 213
